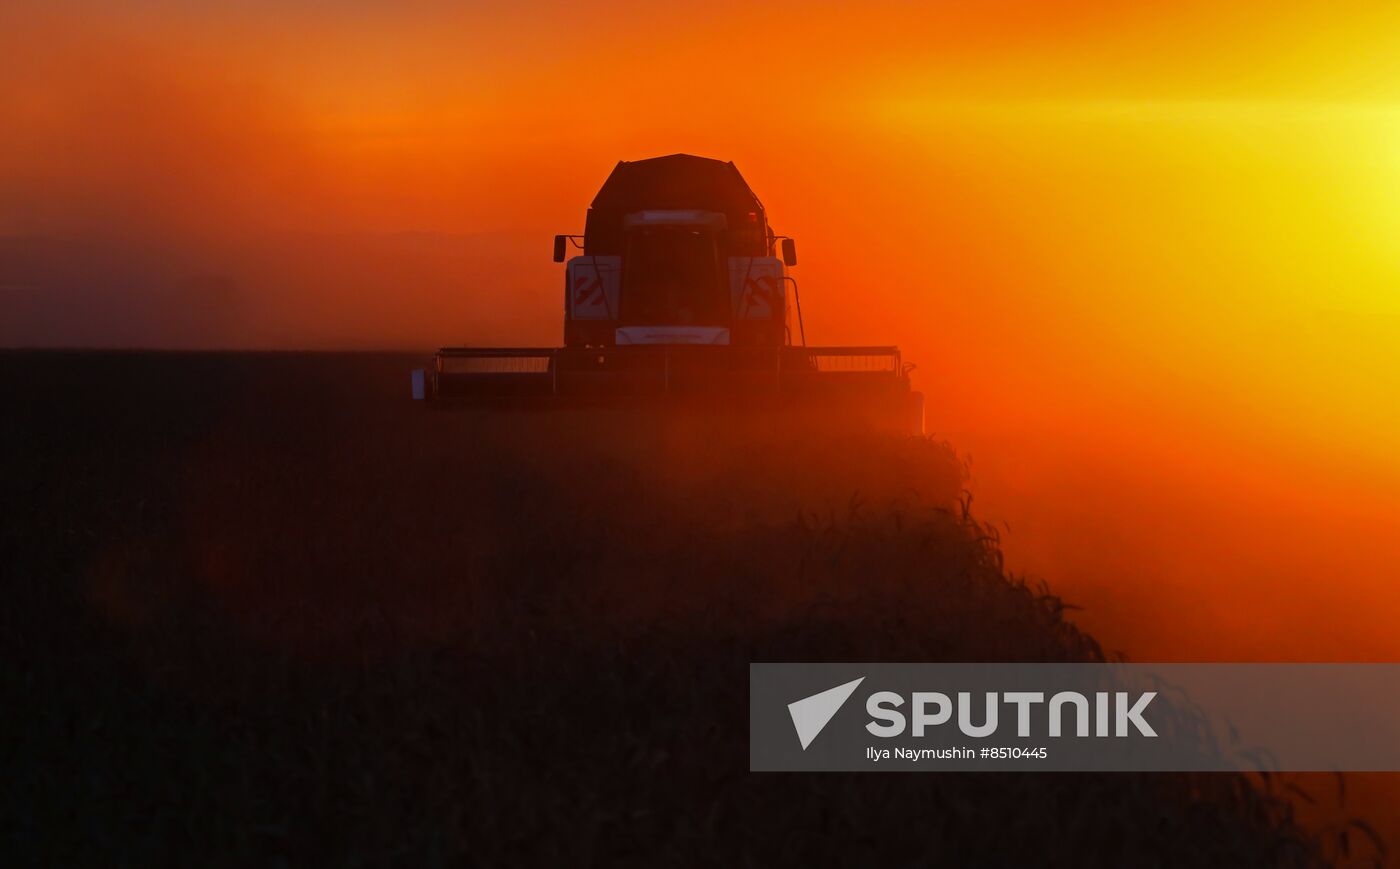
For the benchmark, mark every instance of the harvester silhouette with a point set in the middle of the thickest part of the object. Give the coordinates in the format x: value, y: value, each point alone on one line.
x: 678, y: 295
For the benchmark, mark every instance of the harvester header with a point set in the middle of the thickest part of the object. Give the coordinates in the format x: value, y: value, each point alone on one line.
x: 679, y: 288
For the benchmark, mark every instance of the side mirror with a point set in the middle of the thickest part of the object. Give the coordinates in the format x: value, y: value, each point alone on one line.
x: 561, y: 247
x: 789, y: 252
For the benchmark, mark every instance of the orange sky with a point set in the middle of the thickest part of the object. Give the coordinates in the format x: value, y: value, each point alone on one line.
x: 1146, y: 257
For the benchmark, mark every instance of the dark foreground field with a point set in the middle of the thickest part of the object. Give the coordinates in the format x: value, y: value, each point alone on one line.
x: 262, y: 610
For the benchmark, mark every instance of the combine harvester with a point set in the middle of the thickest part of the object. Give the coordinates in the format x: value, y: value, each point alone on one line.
x: 678, y: 298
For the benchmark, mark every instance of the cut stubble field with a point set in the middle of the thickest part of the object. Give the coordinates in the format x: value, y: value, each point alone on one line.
x: 263, y: 608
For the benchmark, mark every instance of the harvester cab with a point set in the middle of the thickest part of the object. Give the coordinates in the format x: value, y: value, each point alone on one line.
x: 679, y: 289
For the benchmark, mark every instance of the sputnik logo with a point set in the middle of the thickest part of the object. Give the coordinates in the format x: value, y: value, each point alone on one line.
x: 811, y: 714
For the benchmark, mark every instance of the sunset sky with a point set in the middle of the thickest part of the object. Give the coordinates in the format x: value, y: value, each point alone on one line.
x: 1146, y: 256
